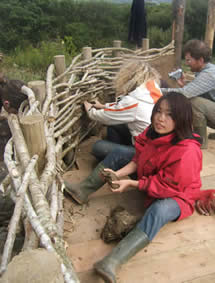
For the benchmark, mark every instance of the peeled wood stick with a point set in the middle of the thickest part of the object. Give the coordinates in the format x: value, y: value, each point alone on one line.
x: 48, y: 98
x: 49, y: 171
x: 10, y: 163
x: 66, y: 266
x: 8, y: 247
x: 60, y: 95
x: 60, y: 214
x: 67, y: 117
x: 4, y: 186
x: 65, y: 114
x: 33, y: 108
x: 71, y: 146
x: 31, y: 97
x: 70, y: 124
x: 15, y: 173
x: 54, y: 200
x: 39, y: 201
x: 74, y: 96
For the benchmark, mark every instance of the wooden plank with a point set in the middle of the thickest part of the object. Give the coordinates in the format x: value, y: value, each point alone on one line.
x: 176, y: 236
x: 204, y: 279
x: 176, y: 265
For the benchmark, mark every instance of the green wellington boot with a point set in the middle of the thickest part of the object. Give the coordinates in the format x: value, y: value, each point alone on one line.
x: 202, y: 131
x: 127, y: 247
x: 92, y: 183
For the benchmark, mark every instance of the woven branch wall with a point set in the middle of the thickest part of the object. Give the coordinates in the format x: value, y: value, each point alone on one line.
x: 87, y: 80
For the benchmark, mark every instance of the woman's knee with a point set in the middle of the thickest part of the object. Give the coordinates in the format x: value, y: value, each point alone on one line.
x: 165, y: 210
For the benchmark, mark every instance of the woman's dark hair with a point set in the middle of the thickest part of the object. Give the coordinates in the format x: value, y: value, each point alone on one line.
x: 181, y: 112
x: 197, y: 49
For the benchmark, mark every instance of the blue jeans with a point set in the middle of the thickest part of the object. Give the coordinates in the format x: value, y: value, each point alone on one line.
x: 120, y: 156
x: 157, y: 215
x: 102, y: 148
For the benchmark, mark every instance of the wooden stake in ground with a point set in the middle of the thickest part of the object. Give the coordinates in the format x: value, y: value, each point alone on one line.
x: 178, y: 15
x: 33, y: 131
x: 210, y: 26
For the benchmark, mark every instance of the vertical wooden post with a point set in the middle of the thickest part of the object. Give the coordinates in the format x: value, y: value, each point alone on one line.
x: 145, y: 44
x: 210, y: 26
x: 34, y: 134
x: 39, y: 89
x: 178, y: 13
x: 86, y: 53
x: 60, y: 65
x: 117, y: 44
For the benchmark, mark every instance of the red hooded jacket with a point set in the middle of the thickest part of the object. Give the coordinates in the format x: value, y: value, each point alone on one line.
x: 169, y: 171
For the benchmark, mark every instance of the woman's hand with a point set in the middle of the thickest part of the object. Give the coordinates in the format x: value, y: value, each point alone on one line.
x: 111, y: 171
x: 123, y: 186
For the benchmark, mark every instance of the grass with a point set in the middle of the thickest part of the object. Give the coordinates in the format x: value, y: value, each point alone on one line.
x: 31, y: 63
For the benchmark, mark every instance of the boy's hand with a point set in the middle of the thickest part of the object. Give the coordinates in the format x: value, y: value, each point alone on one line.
x: 97, y: 104
x: 87, y: 105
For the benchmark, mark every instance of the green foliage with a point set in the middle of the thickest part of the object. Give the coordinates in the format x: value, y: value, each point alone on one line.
x: 159, y: 16
x: 36, y: 30
x: 159, y: 21
x: 36, y: 60
x: 159, y: 37
x: 69, y: 45
x: 195, y: 18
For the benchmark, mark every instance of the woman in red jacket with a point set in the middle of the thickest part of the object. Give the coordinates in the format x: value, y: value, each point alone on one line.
x: 168, y: 162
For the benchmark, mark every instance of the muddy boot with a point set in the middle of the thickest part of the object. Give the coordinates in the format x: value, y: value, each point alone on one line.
x: 127, y: 248
x: 202, y: 131
x: 92, y: 183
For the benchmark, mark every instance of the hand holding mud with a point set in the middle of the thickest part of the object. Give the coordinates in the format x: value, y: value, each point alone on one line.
x: 117, y: 185
x: 109, y: 177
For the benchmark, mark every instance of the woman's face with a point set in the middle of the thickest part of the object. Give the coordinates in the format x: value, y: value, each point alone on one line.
x: 162, y: 121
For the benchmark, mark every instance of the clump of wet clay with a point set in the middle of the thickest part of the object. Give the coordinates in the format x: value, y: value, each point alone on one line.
x: 109, y: 177
x: 118, y: 224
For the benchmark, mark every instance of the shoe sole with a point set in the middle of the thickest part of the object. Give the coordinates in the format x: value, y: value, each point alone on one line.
x: 72, y: 195
x: 104, y: 275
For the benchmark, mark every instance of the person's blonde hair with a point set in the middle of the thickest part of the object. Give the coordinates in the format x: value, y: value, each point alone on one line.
x: 132, y: 74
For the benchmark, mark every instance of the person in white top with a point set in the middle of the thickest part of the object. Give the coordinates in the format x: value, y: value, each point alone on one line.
x: 137, y: 87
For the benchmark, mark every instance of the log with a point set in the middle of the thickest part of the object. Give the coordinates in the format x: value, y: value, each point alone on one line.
x: 117, y: 44
x: 210, y: 26
x: 34, y: 134
x: 87, y: 53
x: 60, y: 66
x: 145, y: 44
x: 178, y: 11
